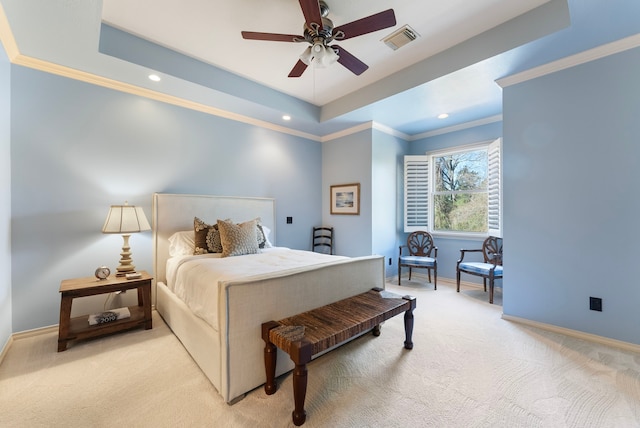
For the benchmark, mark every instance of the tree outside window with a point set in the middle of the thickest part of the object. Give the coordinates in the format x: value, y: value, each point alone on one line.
x: 460, y: 194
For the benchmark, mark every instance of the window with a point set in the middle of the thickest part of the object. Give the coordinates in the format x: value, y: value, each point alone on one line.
x: 457, y: 191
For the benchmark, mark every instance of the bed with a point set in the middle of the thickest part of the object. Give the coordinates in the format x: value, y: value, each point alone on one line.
x: 225, y: 339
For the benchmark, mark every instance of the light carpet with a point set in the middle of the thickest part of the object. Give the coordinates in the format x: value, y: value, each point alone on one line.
x: 468, y: 368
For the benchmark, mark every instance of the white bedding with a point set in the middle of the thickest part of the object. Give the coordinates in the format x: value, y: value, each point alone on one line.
x: 197, y: 280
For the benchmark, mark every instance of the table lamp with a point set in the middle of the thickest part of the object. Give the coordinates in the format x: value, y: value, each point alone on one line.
x: 125, y: 220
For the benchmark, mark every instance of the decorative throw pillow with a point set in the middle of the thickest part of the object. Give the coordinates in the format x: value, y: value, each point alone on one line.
x: 238, y: 239
x: 214, y: 245
x: 206, y: 237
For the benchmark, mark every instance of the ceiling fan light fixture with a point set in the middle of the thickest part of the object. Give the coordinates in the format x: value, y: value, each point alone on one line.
x: 306, y: 56
x: 318, y: 30
x: 330, y: 56
x: 323, y: 56
x: 318, y: 52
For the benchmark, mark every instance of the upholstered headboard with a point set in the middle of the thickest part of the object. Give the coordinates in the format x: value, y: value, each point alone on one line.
x: 175, y: 212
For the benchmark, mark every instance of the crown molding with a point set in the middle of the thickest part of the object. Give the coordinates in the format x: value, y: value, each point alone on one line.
x: 466, y: 125
x: 364, y: 126
x: 14, y: 55
x: 6, y: 36
x: 388, y: 130
x: 94, y: 79
x: 572, y: 61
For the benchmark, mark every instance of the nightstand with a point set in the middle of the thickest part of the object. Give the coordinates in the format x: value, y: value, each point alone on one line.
x: 78, y: 328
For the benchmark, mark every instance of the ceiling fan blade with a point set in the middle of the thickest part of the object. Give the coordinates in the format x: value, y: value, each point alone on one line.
x: 298, y: 69
x: 349, y: 61
x: 366, y: 25
x: 311, y: 12
x: 252, y: 35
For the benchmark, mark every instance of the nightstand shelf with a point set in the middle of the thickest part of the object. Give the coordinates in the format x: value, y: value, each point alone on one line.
x: 78, y: 328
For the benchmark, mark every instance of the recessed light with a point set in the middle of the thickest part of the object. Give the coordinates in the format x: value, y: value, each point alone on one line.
x: 154, y: 77
x: 286, y: 117
x: 443, y: 116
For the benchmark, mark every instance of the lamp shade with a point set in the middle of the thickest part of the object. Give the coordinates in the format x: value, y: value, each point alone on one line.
x: 125, y: 219
x: 306, y: 56
x: 330, y: 56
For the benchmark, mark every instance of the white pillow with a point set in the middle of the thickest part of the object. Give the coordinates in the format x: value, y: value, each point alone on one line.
x: 267, y: 232
x: 181, y: 243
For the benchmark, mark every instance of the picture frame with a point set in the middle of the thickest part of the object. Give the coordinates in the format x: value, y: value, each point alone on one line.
x: 345, y: 199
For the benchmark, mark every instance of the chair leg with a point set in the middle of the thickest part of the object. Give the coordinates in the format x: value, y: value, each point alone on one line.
x: 491, y: 290
x: 399, y: 273
x: 429, y: 274
x: 484, y: 281
x: 435, y: 278
x: 409, y: 274
x: 458, y: 280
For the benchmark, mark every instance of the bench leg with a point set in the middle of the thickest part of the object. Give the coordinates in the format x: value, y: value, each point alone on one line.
x: 270, y: 357
x: 299, y: 393
x: 408, y: 322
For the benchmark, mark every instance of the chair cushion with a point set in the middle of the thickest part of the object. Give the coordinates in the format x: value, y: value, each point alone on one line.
x: 481, y: 268
x: 418, y: 261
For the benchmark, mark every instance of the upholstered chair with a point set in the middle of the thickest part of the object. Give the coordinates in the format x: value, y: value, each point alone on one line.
x: 421, y: 253
x: 490, y: 268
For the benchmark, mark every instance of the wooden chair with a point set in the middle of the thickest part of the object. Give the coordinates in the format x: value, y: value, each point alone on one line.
x: 322, y: 237
x: 420, y: 246
x: 491, y: 267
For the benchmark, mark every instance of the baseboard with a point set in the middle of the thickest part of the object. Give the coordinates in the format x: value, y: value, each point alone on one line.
x: 627, y: 346
x: 547, y: 327
x: 35, y: 332
x: 425, y: 277
x: 32, y: 333
x: 24, y: 335
x: 5, y: 349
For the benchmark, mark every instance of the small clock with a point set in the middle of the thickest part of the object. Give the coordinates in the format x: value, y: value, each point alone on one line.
x: 102, y: 272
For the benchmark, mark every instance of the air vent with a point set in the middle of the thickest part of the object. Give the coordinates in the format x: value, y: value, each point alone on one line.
x: 400, y: 37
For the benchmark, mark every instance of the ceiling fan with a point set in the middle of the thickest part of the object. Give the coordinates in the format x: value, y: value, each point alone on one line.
x: 319, y: 32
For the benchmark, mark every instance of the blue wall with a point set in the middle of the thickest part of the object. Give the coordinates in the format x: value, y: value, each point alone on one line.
x: 571, y: 150
x: 78, y: 148
x: 5, y: 199
x: 387, y: 167
x: 347, y: 160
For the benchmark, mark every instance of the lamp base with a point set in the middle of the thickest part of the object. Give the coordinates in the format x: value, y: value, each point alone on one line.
x: 126, y: 264
x: 121, y: 274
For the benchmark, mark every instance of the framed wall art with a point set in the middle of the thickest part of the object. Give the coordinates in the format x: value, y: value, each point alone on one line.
x: 345, y: 199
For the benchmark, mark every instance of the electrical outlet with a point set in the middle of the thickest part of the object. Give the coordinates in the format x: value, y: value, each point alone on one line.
x: 595, y: 304
x: 390, y: 261
x: 289, y: 220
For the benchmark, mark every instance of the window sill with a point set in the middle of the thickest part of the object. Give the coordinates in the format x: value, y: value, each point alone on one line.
x: 461, y: 235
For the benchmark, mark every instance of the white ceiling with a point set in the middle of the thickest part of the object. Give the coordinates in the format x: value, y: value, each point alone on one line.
x: 210, y: 31
x: 465, y: 46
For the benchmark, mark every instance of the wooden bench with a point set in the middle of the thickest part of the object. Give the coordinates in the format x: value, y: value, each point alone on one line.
x: 310, y: 333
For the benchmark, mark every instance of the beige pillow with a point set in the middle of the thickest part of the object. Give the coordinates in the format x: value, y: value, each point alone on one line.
x: 238, y: 239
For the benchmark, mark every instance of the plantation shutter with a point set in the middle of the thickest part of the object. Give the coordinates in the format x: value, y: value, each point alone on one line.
x: 416, y: 193
x: 495, y: 189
